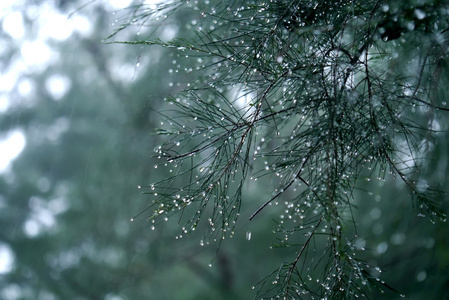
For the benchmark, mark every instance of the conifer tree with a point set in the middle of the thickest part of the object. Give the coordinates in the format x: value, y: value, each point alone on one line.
x: 318, y: 96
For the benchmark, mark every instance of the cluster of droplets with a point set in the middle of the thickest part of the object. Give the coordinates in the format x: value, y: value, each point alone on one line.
x: 289, y: 159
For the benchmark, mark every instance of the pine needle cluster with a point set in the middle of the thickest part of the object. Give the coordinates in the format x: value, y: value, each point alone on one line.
x: 320, y: 96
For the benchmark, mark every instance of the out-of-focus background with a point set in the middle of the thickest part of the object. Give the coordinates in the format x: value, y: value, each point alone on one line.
x: 76, y: 123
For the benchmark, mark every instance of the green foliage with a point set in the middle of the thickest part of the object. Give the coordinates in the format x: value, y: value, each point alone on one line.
x: 324, y: 122
x: 316, y: 96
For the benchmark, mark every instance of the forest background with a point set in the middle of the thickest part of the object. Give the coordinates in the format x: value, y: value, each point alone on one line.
x: 77, y: 121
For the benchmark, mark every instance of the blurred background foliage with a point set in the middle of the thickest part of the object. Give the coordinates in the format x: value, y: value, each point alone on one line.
x: 87, y: 111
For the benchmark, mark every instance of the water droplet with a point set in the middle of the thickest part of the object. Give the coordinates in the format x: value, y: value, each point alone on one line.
x: 132, y: 220
x: 421, y: 276
x: 420, y: 14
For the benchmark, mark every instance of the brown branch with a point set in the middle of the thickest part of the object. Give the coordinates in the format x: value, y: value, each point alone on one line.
x: 298, y: 176
x: 290, y: 273
x: 424, y: 102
